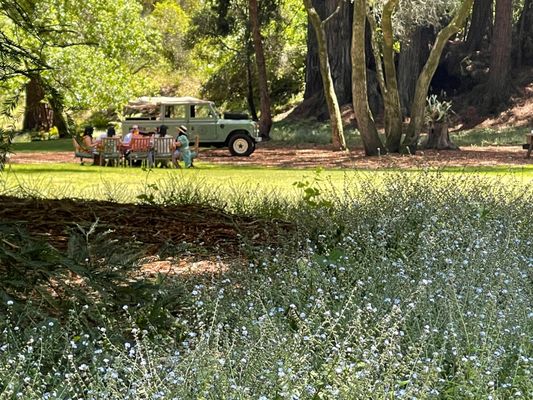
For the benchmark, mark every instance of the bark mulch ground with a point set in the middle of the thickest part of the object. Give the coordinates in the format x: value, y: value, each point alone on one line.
x: 150, y: 226
x: 311, y: 156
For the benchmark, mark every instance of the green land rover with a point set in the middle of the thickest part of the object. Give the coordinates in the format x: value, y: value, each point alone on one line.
x: 235, y: 131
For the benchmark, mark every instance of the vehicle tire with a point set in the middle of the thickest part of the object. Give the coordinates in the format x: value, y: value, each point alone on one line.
x: 241, y: 145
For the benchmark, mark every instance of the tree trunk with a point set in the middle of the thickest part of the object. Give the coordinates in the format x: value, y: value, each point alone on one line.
x: 524, y: 41
x: 500, y: 57
x: 480, y: 24
x: 338, y: 34
x: 391, y: 98
x: 410, y: 142
x: 337, y: 133
x: 265, y: 120
x: 37, y: 114
x: 410, y: 63
x: 249, y: 83
x: 439, y: 138
x: 60, y: 120
x: 365, y: 121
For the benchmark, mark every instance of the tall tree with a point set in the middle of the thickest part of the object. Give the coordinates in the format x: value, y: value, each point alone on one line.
x: 480, y: 24
x: 338, y: 35
x: 524, y: 40
x: 409, y: 14
x: 500, y: 56
x: 413, y: 55
x: 416, y: 123
x: 365, y: 120
x: 383, y: 48
x: 92, y: 50
x: 337, y: 131
x: 265, y: 119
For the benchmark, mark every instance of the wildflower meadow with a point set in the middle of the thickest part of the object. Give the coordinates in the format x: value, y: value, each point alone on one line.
x: 418, y: 285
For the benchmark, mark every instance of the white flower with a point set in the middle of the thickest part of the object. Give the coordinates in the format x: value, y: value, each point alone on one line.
x: 10, y: 302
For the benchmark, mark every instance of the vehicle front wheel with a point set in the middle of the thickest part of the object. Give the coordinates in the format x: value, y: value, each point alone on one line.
x: 241, y: 145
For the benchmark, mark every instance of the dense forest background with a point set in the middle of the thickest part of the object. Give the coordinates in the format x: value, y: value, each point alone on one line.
x: 62, y: 62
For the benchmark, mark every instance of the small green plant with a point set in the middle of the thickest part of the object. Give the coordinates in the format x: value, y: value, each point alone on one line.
x: 437, y: 111
x: 312, y: 193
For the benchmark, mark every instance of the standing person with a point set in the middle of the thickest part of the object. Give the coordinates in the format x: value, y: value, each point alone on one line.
x: 182, y: 149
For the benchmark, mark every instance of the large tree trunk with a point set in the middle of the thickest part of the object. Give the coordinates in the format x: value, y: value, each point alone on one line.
x: 393, y: 113
x: 524, y: 41
x: 480, y: 24
x: 60, y: 120
x: 265, y: 120
x: 337, y: 133
x: 410, y: 142
x: 365, y: 121
x: 37, y: 113
x: 410, y: 63
x: 338, y: 34
x: 500, y: 56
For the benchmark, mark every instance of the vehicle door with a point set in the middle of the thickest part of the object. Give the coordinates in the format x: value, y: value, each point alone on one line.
x: 202, y: 123
x: 174, y: 115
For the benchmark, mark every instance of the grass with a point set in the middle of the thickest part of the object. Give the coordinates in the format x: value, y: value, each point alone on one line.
x: 397, y: 285
x: 125, y: 184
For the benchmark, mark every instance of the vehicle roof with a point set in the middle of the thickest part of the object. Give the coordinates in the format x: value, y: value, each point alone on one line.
x: 145, y: 100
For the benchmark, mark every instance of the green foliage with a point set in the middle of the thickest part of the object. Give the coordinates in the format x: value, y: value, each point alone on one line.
x: 437, y: 110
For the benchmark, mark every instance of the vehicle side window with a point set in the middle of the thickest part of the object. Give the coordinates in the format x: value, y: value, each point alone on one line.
x: 175, y: 112
x: 201, y: 111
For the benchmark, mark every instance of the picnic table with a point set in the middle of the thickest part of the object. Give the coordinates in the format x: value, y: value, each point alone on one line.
x: 529, y: 144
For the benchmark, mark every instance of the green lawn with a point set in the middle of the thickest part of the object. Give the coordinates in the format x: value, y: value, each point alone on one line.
x: 125, y: 184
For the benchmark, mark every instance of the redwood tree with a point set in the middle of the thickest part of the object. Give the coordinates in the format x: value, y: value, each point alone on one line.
x: 500, y: 56
x: 480, y: 24
x: 337, y: 132
x: 338, y: 36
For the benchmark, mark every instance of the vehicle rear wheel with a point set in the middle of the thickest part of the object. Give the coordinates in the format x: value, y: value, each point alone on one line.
x: 241, y: 145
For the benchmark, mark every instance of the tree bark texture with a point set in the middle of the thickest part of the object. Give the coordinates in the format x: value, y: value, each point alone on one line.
x: 265, y: 120
x: 410, y: 142
x: 410, y: 63
x: 249, y: 83
x: 524, y: 41
x: 480, y: 24
x: 500, y: 56
x: 439, y: 138
x: 37, y: 113
x: 391, y: 97
x: 337, y: 132
x: 338, y: 34
x: 365, y: 121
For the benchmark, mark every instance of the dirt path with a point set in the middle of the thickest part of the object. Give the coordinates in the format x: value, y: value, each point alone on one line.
x: 309, y: 156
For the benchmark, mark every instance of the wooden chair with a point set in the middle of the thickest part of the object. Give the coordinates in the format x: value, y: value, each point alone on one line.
x: 81, y: 151
x: 109, y: 151
x: 139, y: 150
x: 162, y: 150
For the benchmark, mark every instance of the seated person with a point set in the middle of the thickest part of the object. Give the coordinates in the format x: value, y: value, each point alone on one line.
x: 126, y: 140
x: 182, y: 149
x: 109, y: 133
x: 87, y: 138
